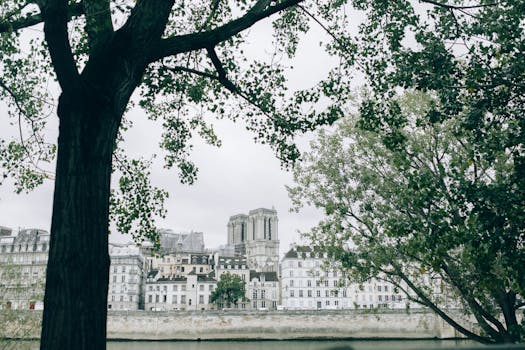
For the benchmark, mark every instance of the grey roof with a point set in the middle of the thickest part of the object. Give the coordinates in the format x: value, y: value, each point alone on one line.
x: 31, y: 236
x: 268, y: 276
x: 5, y: 231
x: 292, y: 253
x: 192, y: 242
x: 152, y: 273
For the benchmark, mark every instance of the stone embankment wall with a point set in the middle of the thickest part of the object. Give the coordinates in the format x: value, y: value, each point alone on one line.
x: 147, y: 325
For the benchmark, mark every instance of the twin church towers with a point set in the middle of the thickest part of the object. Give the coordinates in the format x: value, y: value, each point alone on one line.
x: 256, y: 236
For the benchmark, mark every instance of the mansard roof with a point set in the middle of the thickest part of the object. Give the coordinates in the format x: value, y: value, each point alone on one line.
x: 268, y: 276
x: 292, y: 253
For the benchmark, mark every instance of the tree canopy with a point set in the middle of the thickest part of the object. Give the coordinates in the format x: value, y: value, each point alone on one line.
x: 441, y: 224
x: 230, y: 289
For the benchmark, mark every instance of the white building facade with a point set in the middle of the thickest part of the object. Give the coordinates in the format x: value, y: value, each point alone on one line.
x: 306, y: 285
x: 23, y: 264
x: 191, y: 292
x: 263, y: 290
x: 126, y: 278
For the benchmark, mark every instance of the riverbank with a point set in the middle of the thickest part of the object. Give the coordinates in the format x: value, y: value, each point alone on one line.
x: 245, y: 325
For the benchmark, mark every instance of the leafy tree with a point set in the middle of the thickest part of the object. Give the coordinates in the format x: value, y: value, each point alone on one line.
x: 179, y: 57
x: 430, y: 215
x: 230, y: 289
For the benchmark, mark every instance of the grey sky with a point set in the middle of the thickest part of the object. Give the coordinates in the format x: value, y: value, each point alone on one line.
x: 235, y: 178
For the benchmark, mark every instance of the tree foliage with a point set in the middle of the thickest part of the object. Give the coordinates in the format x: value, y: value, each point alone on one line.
x: 183, y: 62
x: 432, y: 217
x: 230, y: 289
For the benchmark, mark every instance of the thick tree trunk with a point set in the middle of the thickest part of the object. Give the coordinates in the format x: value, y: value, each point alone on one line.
x: 78, y: 267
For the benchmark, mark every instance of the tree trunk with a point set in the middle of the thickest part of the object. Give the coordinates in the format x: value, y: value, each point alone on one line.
x: 78, y: 267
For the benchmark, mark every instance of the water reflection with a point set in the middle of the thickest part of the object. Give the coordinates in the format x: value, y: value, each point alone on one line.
x: 265, y: 345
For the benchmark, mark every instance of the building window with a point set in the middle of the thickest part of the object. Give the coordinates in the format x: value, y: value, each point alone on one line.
x: 309, y: 283
x: 263, y: 294
x: 378, y: 288
x: 263, y: 303
x: 327, y: 293
x: 255, y: 304
x: 292, y: 293
x: 175, y: 288
x: 327, y: 303
x: 183, y: 287
x: 300, y: 293
x: 335, y: 283
x: 183, y: 299
x: 254, y: 294
x: 319, y: 293
x: 210, y: 287
x: 309, y: 293
x: 201, y: 299
x: 150, y: 298
x: 123, y: 278
x: 344, y: 293
x: 114, y: 278
x: 165, y: 298
x: 174, y: 299
x: 157, y: 298
x: 201, y: 288
x: 380, y: 298
x: 386, y: 288
x: 326, y: 283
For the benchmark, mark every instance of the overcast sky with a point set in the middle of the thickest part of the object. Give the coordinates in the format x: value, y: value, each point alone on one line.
x: 233, y: 179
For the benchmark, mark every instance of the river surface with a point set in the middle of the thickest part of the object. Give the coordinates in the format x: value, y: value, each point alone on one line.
x: 267, y: 345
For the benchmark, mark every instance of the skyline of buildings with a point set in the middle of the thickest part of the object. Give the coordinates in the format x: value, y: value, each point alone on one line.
x: 184, y: 273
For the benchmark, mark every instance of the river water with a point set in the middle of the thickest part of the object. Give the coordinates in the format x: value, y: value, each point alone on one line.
x: 267, y: 345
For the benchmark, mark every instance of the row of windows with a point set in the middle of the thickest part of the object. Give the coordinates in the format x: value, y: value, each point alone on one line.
x: 123, y: 298
x: 335, y: 293
x: 12, y: 248
x: 175, y: 287
x: 174, y: 299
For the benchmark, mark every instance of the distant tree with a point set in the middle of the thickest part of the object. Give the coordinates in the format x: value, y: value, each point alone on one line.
x: 17, y: 293
x: 429, y: 210
x: 230, y: 289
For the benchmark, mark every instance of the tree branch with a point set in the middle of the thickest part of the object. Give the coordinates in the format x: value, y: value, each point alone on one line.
x: 55, y: 14
x: 99, y: 26
x: 457, y: 7
x: 195, y: 41
x: 440, y: 312
x: 74, y: 10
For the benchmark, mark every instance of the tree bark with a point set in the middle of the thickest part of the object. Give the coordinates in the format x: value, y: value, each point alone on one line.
x: 78, y: 267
